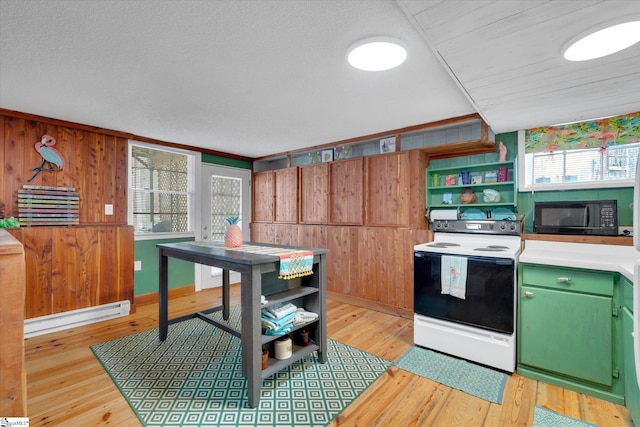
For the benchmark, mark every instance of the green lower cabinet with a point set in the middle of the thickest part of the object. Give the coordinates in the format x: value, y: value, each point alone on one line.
x: 568, y: 336
x: 631, y: 391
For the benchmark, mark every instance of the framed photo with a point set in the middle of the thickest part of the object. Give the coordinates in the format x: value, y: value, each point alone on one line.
x: 388, y: 145
x: 327, y: 155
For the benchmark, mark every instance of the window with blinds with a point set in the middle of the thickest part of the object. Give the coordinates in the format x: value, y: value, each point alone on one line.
x: 160, y: 189
x: 594, y: 154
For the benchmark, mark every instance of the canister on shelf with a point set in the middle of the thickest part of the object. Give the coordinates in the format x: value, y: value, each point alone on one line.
x: 283, y: 347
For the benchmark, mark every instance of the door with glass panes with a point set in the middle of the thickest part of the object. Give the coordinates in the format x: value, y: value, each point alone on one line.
x: 225, y: 193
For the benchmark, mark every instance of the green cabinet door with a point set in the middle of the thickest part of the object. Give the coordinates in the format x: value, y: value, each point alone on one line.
x: 567, y: 333
x: 631, y: 391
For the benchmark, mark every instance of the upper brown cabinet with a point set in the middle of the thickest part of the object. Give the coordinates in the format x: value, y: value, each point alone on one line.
x: 286, y: 195
x: 263, y: 196
x: 388, y: 189
x: 314, y: 192
x: 346, y: 198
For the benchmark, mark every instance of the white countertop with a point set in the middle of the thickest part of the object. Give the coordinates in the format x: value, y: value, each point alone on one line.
x: 620, y: 259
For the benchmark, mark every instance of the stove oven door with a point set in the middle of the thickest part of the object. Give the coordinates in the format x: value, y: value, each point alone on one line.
x: 489, y: 297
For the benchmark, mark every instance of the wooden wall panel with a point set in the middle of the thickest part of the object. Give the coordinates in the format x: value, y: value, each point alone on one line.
x: 263, y: 196
x: 124, y: 253
x: 286, y: 195
x: 120, y: 180
x: 76, y: 267
x: 346, y: 200
x: 369, y: 266
x: 16, y: 162
x: 37, y: 247
x: 387, y: 191
x: 96, y: 166
x: 3, y: 172
x: 314, y: 193
x: 71, y: 267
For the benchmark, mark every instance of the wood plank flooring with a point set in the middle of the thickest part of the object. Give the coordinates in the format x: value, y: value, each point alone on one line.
x: 68, y: 386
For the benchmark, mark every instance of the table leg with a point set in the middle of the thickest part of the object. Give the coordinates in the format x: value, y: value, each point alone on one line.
x: 251, y: 288
x: 163, y: 294
x: 225, y: 294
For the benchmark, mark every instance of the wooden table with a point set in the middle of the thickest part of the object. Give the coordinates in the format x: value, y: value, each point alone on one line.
x: 257, y: 273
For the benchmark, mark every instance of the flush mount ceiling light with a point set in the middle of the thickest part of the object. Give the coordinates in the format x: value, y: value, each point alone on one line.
x: 604, y: 42
x: 377, y: 54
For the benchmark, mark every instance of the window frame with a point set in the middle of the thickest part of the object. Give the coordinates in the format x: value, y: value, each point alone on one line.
x: 193, y: 162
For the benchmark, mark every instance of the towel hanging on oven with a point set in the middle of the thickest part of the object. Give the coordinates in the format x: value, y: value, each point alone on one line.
x: 453, y: 276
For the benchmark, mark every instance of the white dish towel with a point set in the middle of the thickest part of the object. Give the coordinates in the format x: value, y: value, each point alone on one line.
x: 453, y: 276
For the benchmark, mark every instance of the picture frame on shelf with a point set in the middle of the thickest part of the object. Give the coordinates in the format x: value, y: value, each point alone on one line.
x: 388, y: 145
x: 327, y: 155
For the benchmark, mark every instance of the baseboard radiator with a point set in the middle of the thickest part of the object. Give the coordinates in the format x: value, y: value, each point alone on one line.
x: 69, y: 319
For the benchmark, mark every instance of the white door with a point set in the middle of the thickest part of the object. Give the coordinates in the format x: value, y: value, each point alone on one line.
x: 225, y: 192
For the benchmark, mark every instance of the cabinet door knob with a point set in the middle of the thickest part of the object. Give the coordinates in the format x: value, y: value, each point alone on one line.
x: 564, y: 279
x: 204, y: 237
x: 528, y: 294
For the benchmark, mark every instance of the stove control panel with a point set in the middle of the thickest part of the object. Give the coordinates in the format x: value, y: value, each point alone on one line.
x: 506, y: 227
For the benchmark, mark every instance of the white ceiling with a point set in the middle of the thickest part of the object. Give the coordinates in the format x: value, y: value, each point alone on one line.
x: 255, y: 78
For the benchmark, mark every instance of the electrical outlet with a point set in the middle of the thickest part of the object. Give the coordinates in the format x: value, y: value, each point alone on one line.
x: 625, y: 230
x: 108, y: 209
x: 137, y: 265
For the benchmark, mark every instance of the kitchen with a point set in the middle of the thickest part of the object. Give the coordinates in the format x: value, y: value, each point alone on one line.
x: 384, y: 298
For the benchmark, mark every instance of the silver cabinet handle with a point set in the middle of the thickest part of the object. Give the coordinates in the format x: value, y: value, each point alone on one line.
x: 564, y: 279
x: 528, y: 294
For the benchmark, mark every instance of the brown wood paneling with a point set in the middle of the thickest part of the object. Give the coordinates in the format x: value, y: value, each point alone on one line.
x: 16, y: 158
x: 3, y: 172
x: 124, y: 253
x: 120, y: 184
x: 286, y: 195
x: 263, y: 196
x: 387, y: 192
x: 418, y: 162
x: 37, y: 247
x: 76, y: 267
x: 314, y: 192
x: 346, y: 200
x: 13, y: 386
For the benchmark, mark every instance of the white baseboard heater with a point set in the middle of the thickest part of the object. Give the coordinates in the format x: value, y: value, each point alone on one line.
x: 69, y: 319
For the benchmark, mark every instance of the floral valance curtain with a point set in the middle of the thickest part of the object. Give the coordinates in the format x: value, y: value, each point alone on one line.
x: 601, y: 133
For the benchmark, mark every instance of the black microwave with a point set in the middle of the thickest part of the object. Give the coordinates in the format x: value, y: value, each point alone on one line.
x: 598, y: 217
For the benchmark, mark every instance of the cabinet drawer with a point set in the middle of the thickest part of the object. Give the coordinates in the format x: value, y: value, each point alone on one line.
x: 568, y: 279
x: 627, y: 293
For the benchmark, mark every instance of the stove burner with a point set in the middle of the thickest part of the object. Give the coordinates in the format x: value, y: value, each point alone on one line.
x: 442, y: 244
x: 492, y: 249
x: 498, y: 246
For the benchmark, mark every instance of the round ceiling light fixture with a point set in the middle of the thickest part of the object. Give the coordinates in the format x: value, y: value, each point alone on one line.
x: 604, y: 42
x: 377, y: 54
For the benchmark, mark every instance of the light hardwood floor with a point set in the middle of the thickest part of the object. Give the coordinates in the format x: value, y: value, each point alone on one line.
x: 67, y: 386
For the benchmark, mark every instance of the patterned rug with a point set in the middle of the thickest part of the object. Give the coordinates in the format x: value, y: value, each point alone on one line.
x: 194, y: 378
x: 546, y: 418
x: 473, y: 379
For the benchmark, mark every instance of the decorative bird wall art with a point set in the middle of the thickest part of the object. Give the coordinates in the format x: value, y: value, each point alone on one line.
x: 50, y: 156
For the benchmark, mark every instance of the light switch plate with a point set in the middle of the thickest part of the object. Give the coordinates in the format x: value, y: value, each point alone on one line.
x: 108, y: 209
x: 137, y: 265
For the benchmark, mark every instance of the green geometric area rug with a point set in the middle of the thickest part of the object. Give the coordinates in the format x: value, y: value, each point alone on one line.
x: 546, y: 418
x: 473, y: 379
x: 194, y: 378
